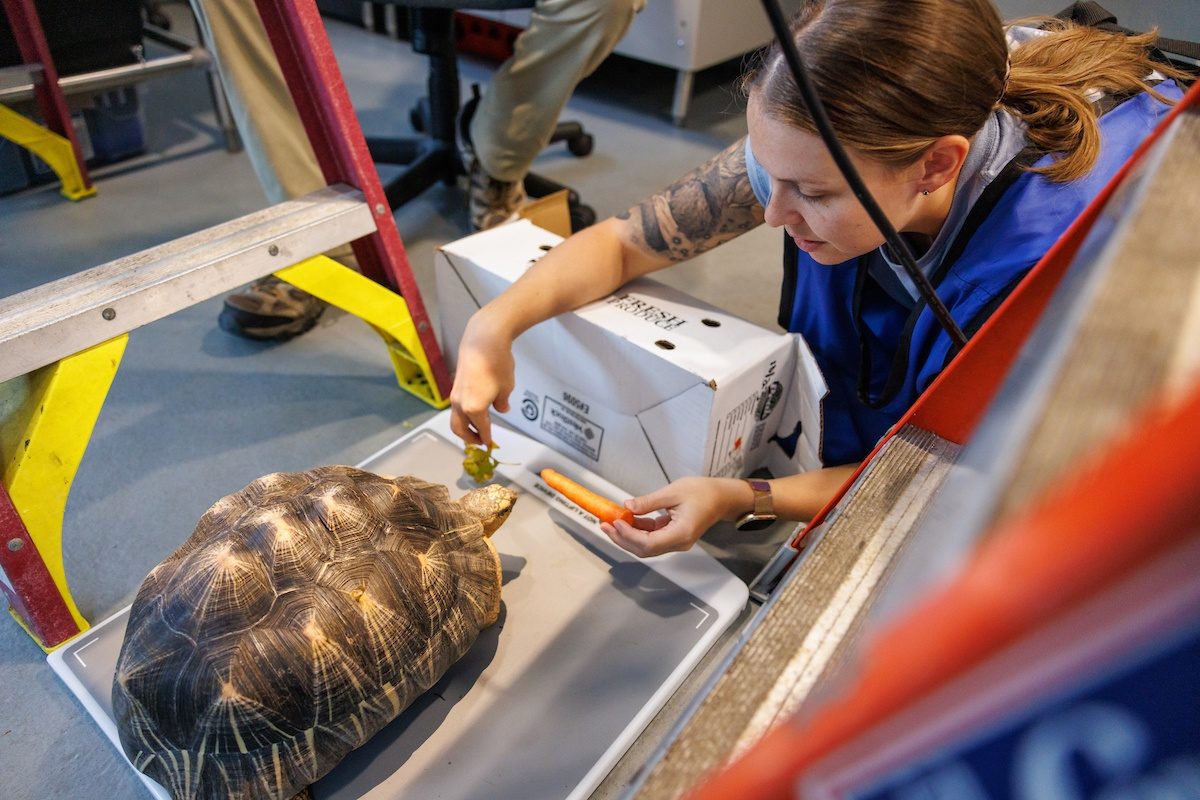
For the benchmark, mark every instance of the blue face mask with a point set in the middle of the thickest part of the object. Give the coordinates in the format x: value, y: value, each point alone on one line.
x: 760, y: 181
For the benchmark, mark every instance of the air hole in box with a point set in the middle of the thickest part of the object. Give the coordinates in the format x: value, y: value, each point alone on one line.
x: 664, y: 344
x: 712, y: 323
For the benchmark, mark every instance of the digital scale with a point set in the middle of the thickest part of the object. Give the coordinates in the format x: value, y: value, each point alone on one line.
x: 591, y: 642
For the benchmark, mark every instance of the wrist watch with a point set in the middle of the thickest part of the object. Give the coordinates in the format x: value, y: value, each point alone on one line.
x: 763, y: 513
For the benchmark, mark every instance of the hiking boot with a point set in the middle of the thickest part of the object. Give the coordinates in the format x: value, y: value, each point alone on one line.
x: 270, y: 310
x: 492, y: 202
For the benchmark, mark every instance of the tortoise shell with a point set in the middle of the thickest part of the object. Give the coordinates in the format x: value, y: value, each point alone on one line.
x: 304, y: 613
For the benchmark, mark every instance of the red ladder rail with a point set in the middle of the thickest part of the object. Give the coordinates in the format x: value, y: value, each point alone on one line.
x: 36, y: 600
x: 298, y: 37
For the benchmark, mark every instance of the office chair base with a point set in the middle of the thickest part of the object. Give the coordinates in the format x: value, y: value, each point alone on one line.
x: 424, y: 162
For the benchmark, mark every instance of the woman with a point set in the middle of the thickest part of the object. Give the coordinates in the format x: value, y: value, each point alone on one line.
x: 979, y: 155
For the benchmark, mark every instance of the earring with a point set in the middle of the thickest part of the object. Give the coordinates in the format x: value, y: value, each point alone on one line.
x: 925, y: 193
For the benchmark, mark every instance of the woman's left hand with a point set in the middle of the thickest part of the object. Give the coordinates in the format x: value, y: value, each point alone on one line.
x: 686, y: 509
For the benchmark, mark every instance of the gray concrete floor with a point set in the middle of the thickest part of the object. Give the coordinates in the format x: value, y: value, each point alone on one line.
x: 195, y: 413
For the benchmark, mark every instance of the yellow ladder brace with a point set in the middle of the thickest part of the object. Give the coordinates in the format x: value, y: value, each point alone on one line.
x: 379, y: 307
x: 55, y: 150
x: 42, y: 441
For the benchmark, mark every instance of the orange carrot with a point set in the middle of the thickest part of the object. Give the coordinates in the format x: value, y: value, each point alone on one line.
x: 586, y: 499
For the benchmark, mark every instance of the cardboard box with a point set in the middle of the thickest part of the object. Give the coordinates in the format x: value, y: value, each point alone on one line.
x: 642, y: 387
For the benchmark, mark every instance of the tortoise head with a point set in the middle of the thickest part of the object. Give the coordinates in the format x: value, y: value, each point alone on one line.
x: 490, y: 504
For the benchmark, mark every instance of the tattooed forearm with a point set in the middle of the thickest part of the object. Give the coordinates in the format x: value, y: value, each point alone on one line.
x: 709, y: 206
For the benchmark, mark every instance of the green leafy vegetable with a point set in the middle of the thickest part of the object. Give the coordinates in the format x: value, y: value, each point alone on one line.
x: 479, y: 463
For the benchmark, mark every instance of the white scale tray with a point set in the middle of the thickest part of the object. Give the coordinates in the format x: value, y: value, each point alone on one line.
x: 591, y: 642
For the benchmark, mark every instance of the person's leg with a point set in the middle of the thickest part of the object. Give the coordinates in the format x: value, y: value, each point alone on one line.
x: 565, y: 42
x: 279, y: 152
x: 259, y: 98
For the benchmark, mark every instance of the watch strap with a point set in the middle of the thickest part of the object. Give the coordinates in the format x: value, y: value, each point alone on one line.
x: 763, y: 502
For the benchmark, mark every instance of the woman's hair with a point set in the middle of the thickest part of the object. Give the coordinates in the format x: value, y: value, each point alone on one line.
x: 895, y: 75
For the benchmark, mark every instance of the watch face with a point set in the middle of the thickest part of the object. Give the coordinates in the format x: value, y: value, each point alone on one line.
x: 752, y: 523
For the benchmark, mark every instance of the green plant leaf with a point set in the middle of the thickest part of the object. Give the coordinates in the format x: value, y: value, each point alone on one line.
x: 479, y: 463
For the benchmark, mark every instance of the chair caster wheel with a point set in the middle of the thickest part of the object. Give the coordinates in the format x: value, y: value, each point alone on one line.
x: 581, y: 145
x: 581, y: 217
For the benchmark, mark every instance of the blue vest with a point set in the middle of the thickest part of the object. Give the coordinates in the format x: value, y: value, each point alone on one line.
x: 878, y: 355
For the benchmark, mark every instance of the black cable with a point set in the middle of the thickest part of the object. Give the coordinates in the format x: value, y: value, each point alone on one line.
x: 824, y: 127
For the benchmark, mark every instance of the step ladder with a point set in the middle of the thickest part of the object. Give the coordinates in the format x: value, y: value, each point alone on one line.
x: 62, y: 342
x: 1063, y: 437
x: 56, y: 143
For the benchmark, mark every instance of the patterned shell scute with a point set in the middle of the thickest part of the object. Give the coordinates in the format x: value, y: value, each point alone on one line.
x: 303, y: 614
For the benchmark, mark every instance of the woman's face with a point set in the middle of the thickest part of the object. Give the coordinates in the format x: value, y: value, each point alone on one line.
x: 811, y: 200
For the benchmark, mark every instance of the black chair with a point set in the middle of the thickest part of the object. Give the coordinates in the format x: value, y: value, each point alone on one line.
x: 434, y: 156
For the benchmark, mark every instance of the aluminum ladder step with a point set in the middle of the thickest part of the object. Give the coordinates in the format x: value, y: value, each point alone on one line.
x: 52, y: 321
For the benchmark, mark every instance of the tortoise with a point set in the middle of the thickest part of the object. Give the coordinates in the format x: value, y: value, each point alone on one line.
x: 304, y: 613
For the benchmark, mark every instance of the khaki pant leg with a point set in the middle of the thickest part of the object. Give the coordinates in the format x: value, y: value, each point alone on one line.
x: 565, y: 41
x: 259, y: 99
x: 261, y: 103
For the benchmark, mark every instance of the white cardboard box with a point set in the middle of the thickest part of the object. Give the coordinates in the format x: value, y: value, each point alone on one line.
x: 642, y: 387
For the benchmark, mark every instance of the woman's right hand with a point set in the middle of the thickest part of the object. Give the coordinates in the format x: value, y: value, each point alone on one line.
x: 483, y: 379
